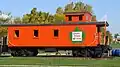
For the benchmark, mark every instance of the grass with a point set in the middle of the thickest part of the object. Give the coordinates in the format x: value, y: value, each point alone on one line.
x: 115, y: 45
x: 60, y: 61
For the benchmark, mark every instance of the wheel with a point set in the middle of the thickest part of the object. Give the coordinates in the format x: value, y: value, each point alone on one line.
x: 75, y: 53
x: 28, y: 53
x: 35, y: 53
x: 20, y: 52
x: 31, y: 52
x: 13, y: 53
x: 90, y: 53
x: 83, y: 52
x: 17, y: 52
x: 98, y: 52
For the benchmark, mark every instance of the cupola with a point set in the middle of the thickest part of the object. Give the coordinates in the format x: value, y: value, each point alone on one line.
x: 78, y: 16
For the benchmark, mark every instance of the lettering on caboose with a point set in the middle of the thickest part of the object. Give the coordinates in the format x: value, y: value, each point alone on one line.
x: 76, y: 36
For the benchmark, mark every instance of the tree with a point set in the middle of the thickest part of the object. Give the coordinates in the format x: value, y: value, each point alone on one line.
x: 88, y: 8
x: 72, y: 7
x: 26, y: 18
x: 3, y: 31
x: 59, y: 10
x: 78, y: 6
x: 17, y: 20
x: 38, y: 17
x: 4, y: 18
x: 115, y: 36
x: 33, y: 16
x: 94, y: 18
x: 108, y: 33
x: 51, y: 19
x: 109, y: 36
x: 69, y: 7
x: 59, y: 18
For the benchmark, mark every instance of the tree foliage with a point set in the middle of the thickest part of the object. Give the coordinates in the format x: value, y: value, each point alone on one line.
x: 38, y: 17
x: 59, y: 10
x: 78, y: 7
x: 115, y: 36
x: 93, y: 18
x: 69, y: 7
x: 17, y: 20
x: 59, y: 16
x: 108, y: 33
x: 4, y: 18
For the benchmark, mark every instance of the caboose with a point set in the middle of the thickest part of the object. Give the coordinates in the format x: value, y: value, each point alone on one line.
x: 77, y: 33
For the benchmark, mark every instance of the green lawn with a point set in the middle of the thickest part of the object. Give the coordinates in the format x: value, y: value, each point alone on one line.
x: 115, y: 45
x: 60, y: 61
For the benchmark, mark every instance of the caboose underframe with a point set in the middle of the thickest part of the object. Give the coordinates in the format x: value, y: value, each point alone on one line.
x: 97, y: 51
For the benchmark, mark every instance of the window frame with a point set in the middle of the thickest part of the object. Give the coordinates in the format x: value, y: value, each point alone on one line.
x: 87, y: 17
x: 15, y: 33
x: 55, y: 34
x: 69, y: 18
x: 37, y: 33
x: 80, y: 17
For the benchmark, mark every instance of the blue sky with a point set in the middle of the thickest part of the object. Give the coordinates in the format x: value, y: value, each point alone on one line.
x: 100, y: 7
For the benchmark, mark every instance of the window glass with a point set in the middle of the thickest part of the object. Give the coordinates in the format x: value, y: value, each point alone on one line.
x: 70, y: 18
x: 35, y: 33
x: 55, y: 33
x: 86, y: 17
x: 16, y: 33
x: 80, y: 17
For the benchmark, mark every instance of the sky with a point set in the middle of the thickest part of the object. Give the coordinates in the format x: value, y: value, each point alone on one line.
x: 100, y: 7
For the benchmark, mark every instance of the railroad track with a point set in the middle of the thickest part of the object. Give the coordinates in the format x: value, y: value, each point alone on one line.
x: 68, y: 57
x: 55, y: 56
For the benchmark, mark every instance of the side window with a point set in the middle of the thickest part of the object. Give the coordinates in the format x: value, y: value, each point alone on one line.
x: 86, y: 17
x: 35, y: 33
x: 69, y: 18
x: 56, y: 33
x: 16, y: 33
x: 80, y: 17
x: 90, y: 18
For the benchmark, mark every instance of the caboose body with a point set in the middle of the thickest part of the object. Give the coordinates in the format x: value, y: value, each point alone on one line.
x: 65, y: 35
x: 77, y: 33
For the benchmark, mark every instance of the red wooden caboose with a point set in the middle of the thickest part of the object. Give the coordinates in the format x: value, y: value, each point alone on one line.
x: 78, y: 33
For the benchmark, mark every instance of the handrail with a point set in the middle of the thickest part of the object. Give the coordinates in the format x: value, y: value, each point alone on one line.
x: 11, y: 43
x: 95, y: 37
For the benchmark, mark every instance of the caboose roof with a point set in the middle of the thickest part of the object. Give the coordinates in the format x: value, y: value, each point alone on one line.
x: 101, y: 23
x: 76, y: 13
